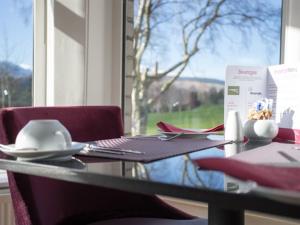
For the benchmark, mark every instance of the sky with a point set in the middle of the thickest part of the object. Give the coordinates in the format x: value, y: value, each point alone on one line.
x: 16, y: 32
x: 228, y: 50
x: 16, y: 38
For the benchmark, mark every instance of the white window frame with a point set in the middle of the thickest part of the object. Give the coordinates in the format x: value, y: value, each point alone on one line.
x: 38, y: 62
x: 100, y: 75
x: 290, y: 39
x: 39, y: 52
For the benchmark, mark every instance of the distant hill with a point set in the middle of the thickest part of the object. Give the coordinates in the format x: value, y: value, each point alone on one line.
x: 186, y: 93
x: 202, y: 80
x: 17, y: 81
x: 14, y: 70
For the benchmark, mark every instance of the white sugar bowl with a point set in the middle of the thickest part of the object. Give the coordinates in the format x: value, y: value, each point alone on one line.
x: 260, y: 130
x: 43, y: 135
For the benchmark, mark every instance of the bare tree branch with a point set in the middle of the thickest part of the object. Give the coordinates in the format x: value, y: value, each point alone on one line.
x: 188, y: 54
x: 202, y: 22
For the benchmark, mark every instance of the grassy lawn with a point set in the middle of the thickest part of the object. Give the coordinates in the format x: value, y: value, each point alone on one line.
x: 204, y: 116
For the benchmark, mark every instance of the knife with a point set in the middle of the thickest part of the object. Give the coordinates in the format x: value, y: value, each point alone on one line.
x: 113, y: 149
x: 288, y: 157
x: 89, y: 149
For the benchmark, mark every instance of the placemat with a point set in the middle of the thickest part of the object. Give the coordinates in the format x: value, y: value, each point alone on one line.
x: 153, y: 148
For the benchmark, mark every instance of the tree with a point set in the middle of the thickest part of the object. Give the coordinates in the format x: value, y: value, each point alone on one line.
x: 201, y: 23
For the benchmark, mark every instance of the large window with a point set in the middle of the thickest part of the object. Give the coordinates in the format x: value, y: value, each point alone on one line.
x: 180, y: 50
x: 16, y: 52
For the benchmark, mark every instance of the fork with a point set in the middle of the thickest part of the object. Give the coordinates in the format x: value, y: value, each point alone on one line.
x: 141, y: 137
x: 165, y: 138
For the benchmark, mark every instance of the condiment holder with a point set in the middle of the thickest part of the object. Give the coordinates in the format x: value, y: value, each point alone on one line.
x: 233, y: 127
x: 260, y: 130
x: 260, y: 127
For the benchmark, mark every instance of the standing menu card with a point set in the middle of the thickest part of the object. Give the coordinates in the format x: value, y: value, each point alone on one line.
x: 244, y: 85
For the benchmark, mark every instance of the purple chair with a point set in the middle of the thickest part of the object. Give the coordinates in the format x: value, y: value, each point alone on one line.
x: 44, y: 201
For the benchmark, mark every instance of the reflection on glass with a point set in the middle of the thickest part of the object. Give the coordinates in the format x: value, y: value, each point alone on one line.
x: 179, y: 170
x: 237, y: 186
x: 16, y: 52
x: 233, y: 149
x: 74, y: 163
x: 106, y: 167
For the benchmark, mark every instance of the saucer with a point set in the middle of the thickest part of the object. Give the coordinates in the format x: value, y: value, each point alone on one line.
x: 46, y: 155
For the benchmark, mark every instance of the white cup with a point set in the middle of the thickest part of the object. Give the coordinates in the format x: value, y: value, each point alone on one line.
x: 43, y: 135
x: 233, y: 127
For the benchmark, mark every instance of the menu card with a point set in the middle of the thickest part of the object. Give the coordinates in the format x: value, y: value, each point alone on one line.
x: 244, y: 85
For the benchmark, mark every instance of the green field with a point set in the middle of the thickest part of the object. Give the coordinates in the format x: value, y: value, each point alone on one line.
x: 204, y: 116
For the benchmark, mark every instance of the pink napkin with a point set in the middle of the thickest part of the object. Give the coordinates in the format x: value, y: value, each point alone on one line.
x: 286, y: 178
x: 166, y: 127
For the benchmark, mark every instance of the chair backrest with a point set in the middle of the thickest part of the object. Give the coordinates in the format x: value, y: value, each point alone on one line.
x: 40, y: 200
x: 85, y: 123
x: 44, y: 201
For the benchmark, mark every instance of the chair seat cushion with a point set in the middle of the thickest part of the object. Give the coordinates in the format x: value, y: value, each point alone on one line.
x: 150, y: 221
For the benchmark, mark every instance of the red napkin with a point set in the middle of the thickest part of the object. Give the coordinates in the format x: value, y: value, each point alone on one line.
x: 288, y: 135
x: 286, y: 178
x: 166, y: 127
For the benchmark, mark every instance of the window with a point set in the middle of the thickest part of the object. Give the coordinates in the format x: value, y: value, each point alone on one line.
x: 177, y: 52
x: 16, y: 52
x: 16, y: 55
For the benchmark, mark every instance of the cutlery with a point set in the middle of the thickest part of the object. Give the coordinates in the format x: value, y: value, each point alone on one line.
x: 106, y: 151
x: 166, y: 138
x: 141, y: 137
x: 161, y: 137
x: 288, y: 157
x: 113, y: 149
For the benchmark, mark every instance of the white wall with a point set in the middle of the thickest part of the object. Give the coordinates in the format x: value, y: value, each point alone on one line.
x: 82, y: 53
x: 104, y: 52
x: 69, y: 53
x: 291, y: 32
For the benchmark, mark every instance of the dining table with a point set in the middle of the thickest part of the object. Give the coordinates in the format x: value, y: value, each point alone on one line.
x: 175, y: 176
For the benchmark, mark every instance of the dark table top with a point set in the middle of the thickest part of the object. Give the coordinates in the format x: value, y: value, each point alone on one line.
x: 175, y: 177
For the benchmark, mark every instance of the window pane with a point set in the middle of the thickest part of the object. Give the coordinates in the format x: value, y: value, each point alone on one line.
x: 181, y: 50
x: 16, y: 52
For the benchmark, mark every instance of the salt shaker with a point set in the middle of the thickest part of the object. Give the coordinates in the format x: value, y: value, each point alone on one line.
x: 233, y: 127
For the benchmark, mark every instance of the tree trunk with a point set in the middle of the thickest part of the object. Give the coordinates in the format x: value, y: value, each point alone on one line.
x: 139, y: 116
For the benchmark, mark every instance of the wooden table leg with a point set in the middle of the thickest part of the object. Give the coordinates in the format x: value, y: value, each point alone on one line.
x: 220, y: 216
